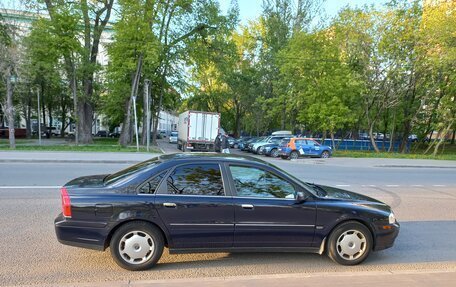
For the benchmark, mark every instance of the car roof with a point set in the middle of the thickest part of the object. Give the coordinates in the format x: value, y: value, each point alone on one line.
x: 303, y: 139
x: 194, y: 156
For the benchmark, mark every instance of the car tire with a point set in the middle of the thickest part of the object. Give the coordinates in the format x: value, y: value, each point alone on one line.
x: 258, y: 150
x: 350, y: 243
x: 274, y: 152
x: 235, y: 146
x: 294, y: 155
x: 324, y: 154
x: 137, y: 246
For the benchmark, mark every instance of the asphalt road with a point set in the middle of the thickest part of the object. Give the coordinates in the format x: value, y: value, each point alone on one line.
x: 424, y: 200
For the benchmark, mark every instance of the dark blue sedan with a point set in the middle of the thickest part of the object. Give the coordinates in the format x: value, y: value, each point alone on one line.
x: 218, y: 203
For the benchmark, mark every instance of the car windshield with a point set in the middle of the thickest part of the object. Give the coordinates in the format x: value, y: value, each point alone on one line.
x: 130, y: 170
x: 173, y: 134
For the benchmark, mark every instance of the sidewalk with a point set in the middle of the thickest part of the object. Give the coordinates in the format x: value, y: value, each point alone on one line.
x: 133, y: 157
x: 418, y: 278
x: 74, y: 157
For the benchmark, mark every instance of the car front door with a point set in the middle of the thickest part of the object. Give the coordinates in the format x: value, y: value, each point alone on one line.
x: 302, y: 147
x: 194, y: 207
x: 266, y: 212
x: 314, y: 147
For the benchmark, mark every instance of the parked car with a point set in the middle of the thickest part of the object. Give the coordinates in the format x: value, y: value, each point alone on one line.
x: 272, y: 149
x: 180, y: 201
x: 271, y: 139
x: 378, y: 136
x: 173, y: 137
x: 363, y: 136
x: 413, y: 138
x: 102, y: 134
x: 231, y: 141
x: 114, y: 134
x: 240, y: 141
x: 298, y: 147
x: 248, y: 144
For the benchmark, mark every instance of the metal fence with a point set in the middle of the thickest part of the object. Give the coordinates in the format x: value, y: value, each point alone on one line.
x: 344, y: 144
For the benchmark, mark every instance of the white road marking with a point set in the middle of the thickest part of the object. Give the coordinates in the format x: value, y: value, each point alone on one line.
x: 29, y: 186
x: 342, y: 185
x: 439, y: 185
x: 417, y: 185
x: 392, y: 185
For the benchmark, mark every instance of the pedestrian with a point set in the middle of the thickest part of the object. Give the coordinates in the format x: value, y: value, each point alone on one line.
x: 224, y: 144
x: 218, y: 143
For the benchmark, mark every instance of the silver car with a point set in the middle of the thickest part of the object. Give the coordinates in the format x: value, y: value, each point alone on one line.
x: 173, y: 137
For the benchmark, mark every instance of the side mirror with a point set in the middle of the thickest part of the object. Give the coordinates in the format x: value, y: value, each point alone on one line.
x: 300, y: 197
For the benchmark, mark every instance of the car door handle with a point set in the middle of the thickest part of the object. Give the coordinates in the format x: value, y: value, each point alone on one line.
x: 247, y: 206
x: 169, y: 204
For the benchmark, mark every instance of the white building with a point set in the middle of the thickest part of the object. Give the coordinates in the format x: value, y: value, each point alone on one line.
x: 22, y: 21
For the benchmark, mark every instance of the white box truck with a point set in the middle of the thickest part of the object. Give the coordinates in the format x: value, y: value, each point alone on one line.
x: 197, y: 130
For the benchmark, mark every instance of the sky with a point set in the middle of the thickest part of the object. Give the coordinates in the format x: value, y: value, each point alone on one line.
x: 251, y: 9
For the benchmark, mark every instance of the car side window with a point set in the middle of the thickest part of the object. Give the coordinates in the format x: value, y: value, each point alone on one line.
x: 196, y: 179
x: 150, y: 186
x: 256, y: 182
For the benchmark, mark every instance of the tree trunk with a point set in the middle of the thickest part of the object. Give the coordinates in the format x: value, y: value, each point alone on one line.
x: 332, y: 141
x: 442, y: 138
x: 10, y: 108
x: 125, y: 135
x: 372, y: 139
x: 160, y: 101
x: 391, y: 141
x: 452, y: 138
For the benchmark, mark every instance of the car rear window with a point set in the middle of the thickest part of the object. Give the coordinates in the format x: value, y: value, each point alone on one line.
x: 131, y: 170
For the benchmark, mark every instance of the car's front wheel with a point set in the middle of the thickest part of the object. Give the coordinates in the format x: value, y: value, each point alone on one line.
x: 137, y: 246
x: 324, y: 154
x: 350, y: 243
x: 274, y: 152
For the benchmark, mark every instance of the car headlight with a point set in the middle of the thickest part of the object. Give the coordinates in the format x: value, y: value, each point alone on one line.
x: 391, y: 218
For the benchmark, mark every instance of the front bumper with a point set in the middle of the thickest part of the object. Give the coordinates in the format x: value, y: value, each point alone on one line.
x: 385, y: 237
x: 91, y: 235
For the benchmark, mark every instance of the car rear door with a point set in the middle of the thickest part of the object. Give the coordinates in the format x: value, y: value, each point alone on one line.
x: 266, y: 212
x: 194, y: 207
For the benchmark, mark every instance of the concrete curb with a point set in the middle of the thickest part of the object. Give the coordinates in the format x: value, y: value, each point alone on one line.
x: 389, y: 278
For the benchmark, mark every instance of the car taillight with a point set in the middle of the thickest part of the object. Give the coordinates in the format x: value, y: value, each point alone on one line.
x: 66, y: 203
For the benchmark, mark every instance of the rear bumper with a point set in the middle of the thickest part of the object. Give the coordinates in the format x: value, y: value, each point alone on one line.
x: 91, y: 235
x: 385, y: 238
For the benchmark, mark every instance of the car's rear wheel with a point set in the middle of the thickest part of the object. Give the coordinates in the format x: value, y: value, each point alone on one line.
x: 350, y: 243
x: 294, y: 155
x: 137, y: 246
x: 324, y: 154
x: 274, y: 152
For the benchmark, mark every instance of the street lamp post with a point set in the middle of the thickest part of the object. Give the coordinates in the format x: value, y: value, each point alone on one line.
x: 11, y: 79
x: 136, y: 123
x: 39, y: 115
x: 147, y: 105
